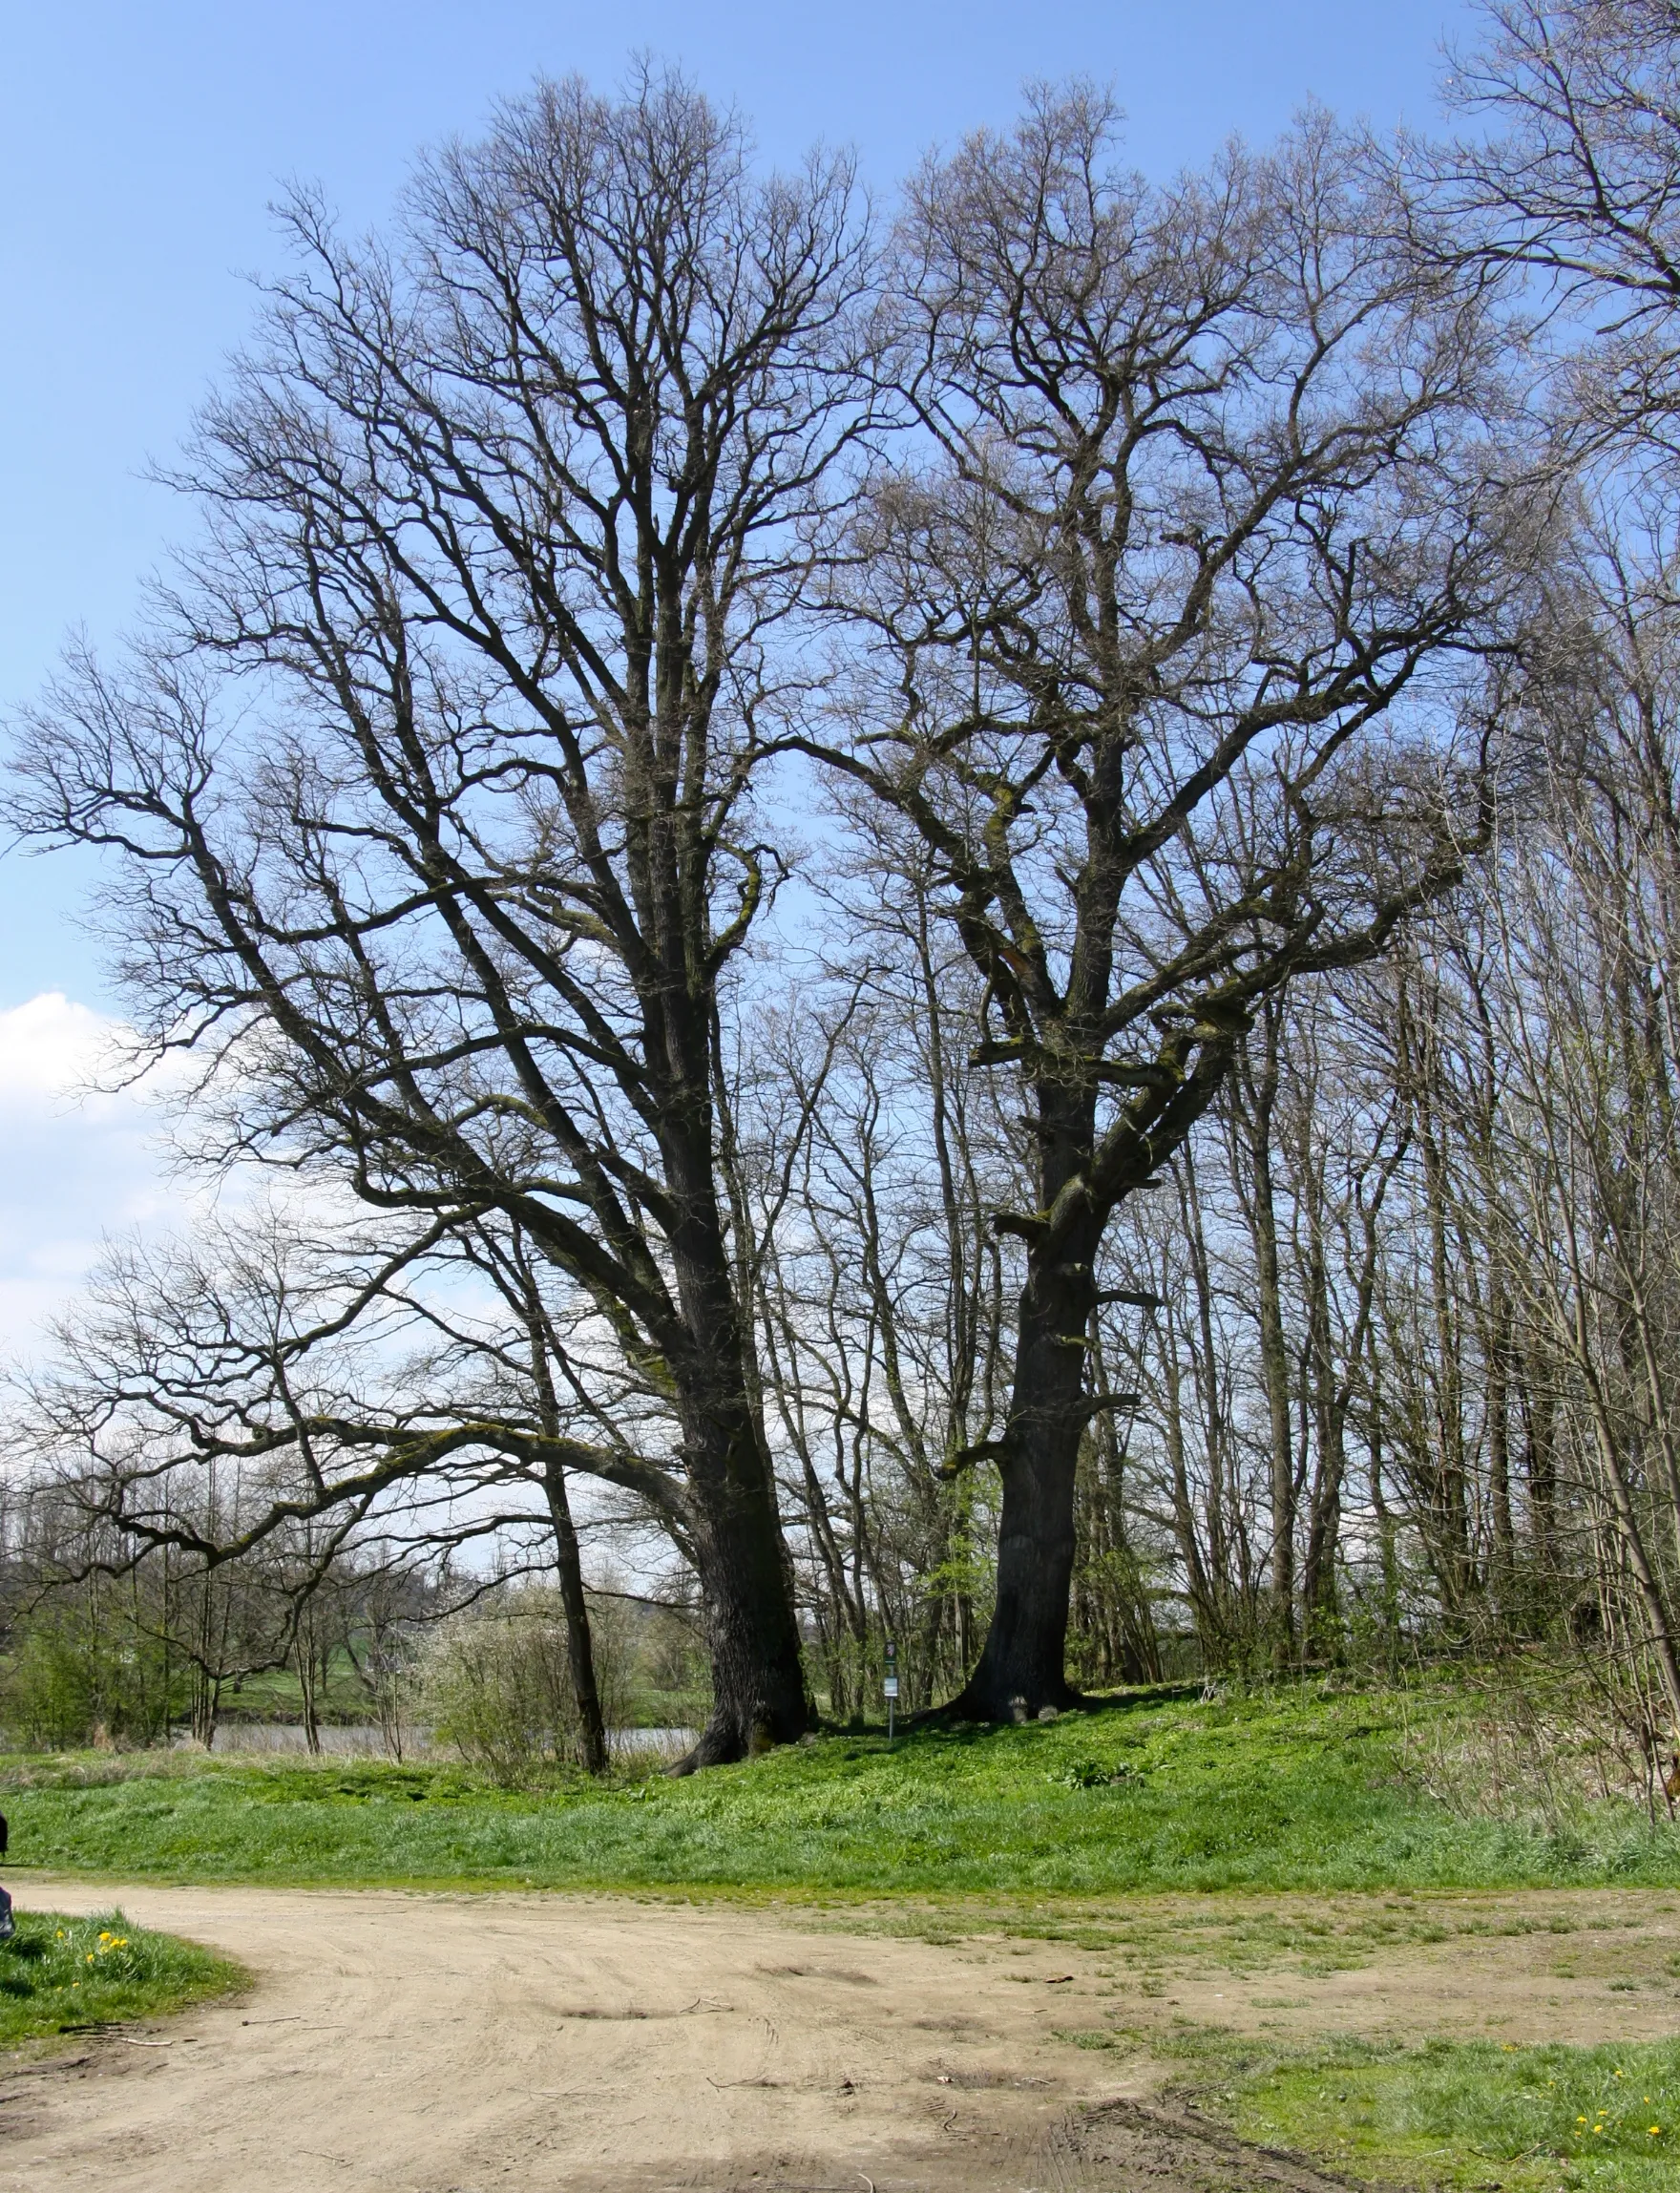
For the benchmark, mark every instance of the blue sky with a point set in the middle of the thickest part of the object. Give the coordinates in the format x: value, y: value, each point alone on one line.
x: 139, y: 148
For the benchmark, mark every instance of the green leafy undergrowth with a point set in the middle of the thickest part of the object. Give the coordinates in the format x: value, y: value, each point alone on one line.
x: 1291, y: 1789
x: 1459, y: 2115
x: 59, y: 1975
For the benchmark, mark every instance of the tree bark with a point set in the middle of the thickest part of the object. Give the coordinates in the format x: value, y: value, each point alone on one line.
x: 759, y: 1698
x: 1022, y: 1668
x: 758, y: 1682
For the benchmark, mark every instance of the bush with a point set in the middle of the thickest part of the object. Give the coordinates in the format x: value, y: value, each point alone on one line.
x: 497, y: 1683
x: 74, y: 1679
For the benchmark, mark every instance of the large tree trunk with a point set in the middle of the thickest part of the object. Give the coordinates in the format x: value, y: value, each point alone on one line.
x: 758, y: 1682
x: 1022, y: 1668
x: 734, y: 1525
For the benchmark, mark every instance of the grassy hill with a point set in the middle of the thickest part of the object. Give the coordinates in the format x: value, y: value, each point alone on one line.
x: 1298, y: 1788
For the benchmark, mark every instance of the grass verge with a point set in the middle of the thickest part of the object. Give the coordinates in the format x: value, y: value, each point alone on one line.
x: 59, y: 1975
x: 1296, y: 1789
x: 1464, y: 2115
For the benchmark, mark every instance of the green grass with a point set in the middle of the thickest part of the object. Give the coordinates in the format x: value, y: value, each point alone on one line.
x: 1296, y: 1789
x: 59, y: 1975
x: 1462, y: 2115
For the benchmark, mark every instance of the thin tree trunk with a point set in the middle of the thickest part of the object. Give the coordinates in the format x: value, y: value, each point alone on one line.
x: 1252, y: 1116
x: 306, y: 1659
x: 1499, y: 1442
x: 568, y: 1561
x: 579, y: 1649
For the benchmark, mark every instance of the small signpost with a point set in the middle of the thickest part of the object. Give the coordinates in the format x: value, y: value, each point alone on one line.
x: 889, y: 1686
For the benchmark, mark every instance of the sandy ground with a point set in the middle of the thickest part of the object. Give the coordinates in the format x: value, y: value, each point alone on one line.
x: 455, y: 2044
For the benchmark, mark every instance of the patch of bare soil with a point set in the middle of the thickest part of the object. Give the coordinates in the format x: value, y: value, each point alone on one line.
x: 1113, y: 2147
x: 455, y: 2044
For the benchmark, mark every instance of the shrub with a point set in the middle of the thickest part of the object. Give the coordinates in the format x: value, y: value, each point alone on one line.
x: 497, y: 1683
x: 74, y: 1680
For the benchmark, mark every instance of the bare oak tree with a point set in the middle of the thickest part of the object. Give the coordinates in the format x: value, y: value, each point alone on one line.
x: 1210, y: 483
x: 431, y: 793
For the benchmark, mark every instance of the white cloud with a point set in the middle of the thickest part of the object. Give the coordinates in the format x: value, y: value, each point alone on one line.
x: 49, y: 1048
x: 78, y: 1163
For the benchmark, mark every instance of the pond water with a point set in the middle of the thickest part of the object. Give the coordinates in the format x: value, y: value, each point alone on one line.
x: 370, y: 1742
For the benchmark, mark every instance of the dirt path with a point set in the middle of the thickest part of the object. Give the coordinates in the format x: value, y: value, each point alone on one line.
x: 442, y: 2044
x: 456, y: 2044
